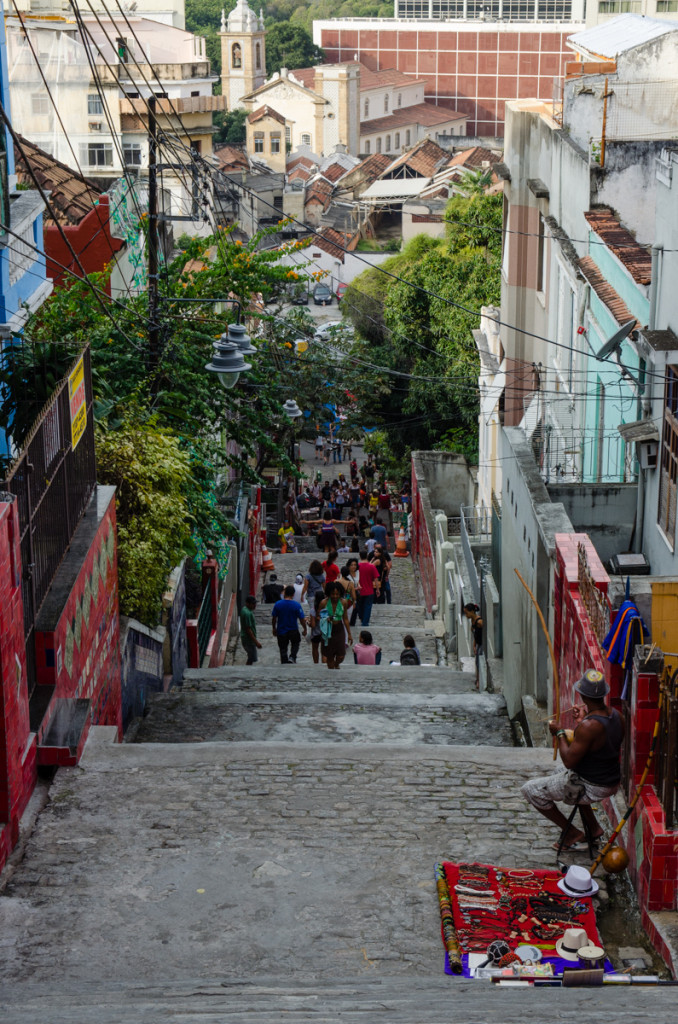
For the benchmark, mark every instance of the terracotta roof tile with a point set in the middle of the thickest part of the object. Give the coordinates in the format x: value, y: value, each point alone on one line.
x: 265, y: 111
x: 332, y: 242
x: 304, y: 75
x: 72, y: 195
x: 426, y: 114
x: 335, y: 171
x: 605, y: 292
x: 231, y: 157
x: 424, y: 159
x: 319, y: 191
x: 621, y: 242
x: 300, y: 173
x: 474, y: 157
x: 297, y: 161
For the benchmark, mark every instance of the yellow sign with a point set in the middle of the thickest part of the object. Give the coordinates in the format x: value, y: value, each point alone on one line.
x: 78, y: 402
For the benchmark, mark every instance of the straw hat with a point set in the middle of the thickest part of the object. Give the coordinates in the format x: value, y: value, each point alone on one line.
x: 578, y: 882
x: 568, y: 946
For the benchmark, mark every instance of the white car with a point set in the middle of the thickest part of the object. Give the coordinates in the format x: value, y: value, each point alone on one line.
x: 334, y: 329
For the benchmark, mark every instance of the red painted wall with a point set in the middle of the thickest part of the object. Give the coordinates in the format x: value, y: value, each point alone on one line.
x: 421, y: 545
x: 652, y: 850
x: 91, y: 241
x: 81, y: 657
x: 472, y: 71
x: 17, y: 745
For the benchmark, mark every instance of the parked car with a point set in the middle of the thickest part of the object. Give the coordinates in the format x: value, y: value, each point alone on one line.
x: 322, y: 296
x: 341, y: 288
x: 338, y: 330
x: 299, y: 294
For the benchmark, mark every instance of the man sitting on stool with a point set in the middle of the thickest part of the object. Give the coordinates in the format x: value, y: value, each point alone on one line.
x: 591, y: 762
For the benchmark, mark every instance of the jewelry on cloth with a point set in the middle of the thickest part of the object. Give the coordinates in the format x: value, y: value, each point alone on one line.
x: 521, y: 874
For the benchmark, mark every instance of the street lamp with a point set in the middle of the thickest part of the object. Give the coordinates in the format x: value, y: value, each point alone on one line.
x: 228, y: 361
x: 292, y: 410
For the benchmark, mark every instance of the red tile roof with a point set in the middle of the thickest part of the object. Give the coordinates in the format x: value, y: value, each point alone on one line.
x: 332, y: 242
x: 295, y: 161
x: 474, y: 157
x: 305, y: 75
x: 621, y: 242
x: 425, y: 159
x: 605, y: 292
x: 300, y: 173
x: 231, y: 157
x: 72, y: 195
x: 319, y: 191
x: 425, y: 114
x: 265, y: 111
x: 335, y: 171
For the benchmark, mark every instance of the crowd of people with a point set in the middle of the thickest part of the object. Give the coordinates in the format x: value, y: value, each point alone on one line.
x: 324, y: 604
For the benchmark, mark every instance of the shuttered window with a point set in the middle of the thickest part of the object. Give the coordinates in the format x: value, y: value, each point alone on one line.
x: 669, y: 459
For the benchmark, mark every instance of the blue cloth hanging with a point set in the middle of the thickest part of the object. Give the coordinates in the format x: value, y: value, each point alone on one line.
x: 627, y: 630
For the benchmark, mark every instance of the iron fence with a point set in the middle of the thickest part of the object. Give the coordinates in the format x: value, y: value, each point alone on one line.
x: 205, y: 620
x: 666, y: 770
x: 53, y: 482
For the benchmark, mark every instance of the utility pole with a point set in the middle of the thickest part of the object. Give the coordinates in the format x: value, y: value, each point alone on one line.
x: 153, y: 325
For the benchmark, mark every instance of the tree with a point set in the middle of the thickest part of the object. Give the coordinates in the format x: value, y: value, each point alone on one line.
x: 231, y: 127
x: 418, y: 329
x: 290, y: 46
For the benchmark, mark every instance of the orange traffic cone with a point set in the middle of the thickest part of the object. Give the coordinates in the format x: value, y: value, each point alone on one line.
x: 266, y: 560
x: 401, y: 545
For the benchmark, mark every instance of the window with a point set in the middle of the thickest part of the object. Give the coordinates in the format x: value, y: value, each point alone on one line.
x: 236, y: 56
x: 196, y: 93
x: 397, y: 140
x: 275, y: 143
x: 306, y: 140
x: 131, y: 154
x: 258, y: 142
x: 368, y: 147
x: 620, y: 7
x: 40, y: 103
x: 123, y: 49
x: 386, y: 103
x: 278, y: 203
x: 367, y: 108
x: 541, y: 256
x: 100, y: 154
x: 95, y: 104
x: 668, y: 480
x: 288, y: 135
x: 257, y: 56
x: 667, y: 6
x: 408, y: 136
x: 400, y: 99
x: 379, y: 144
x: 388, y: 143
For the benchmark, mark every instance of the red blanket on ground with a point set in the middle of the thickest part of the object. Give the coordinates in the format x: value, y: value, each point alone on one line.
x: 522, y: 907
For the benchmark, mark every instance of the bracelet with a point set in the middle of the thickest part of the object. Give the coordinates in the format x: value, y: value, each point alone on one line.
x: 561, y: 732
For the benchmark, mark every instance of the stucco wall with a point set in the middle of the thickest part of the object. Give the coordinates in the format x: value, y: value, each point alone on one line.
x: 606, y: 512
x: 528, y: 526
x: 447, y: 478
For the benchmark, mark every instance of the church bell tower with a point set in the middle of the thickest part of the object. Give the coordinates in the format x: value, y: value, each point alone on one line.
x: 243, y: 53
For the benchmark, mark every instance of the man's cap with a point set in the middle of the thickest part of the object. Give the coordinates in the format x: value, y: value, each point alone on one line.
x: 592, y: 684
x: 272, y: 578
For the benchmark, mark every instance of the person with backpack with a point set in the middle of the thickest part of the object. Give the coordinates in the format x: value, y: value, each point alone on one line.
x: 409, y: 655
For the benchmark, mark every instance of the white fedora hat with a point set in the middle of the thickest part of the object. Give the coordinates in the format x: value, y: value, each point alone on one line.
x: 569, y: 944
x: 578, y: 882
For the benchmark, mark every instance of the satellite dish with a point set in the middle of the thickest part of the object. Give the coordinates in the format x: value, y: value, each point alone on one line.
x: 615, y: 341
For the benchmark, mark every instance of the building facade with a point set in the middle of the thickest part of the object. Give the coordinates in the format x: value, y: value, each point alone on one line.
x: 243, y: 54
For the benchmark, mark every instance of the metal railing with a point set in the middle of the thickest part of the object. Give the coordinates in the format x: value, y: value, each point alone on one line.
x: 53, y: 483
x: 666, y: 770
x: 205, y: 620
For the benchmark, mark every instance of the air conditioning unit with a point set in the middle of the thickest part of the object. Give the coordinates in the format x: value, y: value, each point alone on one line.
x: 96, y: 126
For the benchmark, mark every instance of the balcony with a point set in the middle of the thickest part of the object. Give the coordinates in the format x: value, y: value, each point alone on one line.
x: 178, y: 105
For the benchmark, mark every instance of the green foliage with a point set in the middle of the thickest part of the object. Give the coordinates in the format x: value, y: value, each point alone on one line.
x: 290, y: 46
x: 231, y: 129
x: 424, y: 333
x: 150, y: 473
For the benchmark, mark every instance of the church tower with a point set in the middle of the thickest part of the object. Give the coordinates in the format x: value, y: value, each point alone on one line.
x: 243, y: 53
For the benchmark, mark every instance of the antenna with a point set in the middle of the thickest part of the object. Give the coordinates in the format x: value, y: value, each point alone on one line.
x: 614, y: 343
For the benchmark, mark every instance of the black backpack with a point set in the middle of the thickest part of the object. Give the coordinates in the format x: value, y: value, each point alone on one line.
x: 409, y: 657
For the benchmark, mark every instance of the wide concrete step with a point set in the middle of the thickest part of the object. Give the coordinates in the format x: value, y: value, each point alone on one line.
x: 421, y: 679
x: 436, y: 999
x: 320, y: 717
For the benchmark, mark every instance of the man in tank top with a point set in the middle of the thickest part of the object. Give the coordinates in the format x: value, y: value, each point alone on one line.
x: 590, y: 759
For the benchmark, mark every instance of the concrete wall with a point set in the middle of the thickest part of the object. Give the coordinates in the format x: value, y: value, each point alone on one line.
x: 528, y: 526
x: 606, y: 512
x: 448, y: 479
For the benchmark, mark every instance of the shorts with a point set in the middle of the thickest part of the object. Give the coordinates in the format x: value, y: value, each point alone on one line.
x: 566, y: 787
